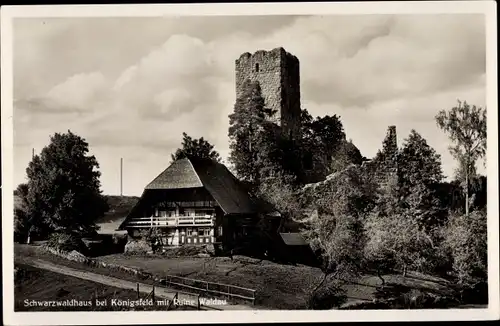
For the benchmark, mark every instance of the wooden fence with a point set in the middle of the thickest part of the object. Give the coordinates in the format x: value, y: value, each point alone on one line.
x: 219, y: 289
x: 151, y: 295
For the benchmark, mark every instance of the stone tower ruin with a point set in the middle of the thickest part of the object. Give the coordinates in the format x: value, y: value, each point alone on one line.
x: 277, y: 72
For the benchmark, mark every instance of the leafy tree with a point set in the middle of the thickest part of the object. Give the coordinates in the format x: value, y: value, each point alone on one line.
x: 252, y: 136
x: 465, y: 238
x: 334, y: 227
x: 397, y: 240
x: 466, y: 127
x: 62, y: 193
x: 196, y: 147
x: 325, y: 135
x: 419, y: 169
x: 328, y: 131
x: 281, y: 192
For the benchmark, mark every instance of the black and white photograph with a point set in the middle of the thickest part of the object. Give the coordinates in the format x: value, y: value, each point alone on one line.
x: 276, y: 162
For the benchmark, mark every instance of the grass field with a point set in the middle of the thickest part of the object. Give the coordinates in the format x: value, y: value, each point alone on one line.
x: 35, y: 286
x: 277, y: 286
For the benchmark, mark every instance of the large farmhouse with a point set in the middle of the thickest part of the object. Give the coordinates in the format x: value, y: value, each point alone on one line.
x: 199, y: 201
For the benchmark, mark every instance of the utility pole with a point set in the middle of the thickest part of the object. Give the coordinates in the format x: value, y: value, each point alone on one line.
x: 32, y: 153
x: 121, y: 177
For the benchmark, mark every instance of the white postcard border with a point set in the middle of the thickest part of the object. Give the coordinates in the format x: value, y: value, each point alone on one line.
x: 488, y: 8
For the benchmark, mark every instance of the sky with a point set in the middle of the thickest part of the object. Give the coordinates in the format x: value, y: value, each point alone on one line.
x: 132, y: 86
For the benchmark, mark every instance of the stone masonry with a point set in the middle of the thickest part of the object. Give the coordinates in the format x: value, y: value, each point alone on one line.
x: 277, y: 72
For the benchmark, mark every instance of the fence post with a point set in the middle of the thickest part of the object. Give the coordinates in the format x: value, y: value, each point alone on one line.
x: 153, y: 294
x: 138, y: 295
x: 198, y: 302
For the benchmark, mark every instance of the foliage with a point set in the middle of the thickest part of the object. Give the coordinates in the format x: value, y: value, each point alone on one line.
x: 281, y: 192
x: 398, y: 240
x: 465, y: 237
x: 419, y: 169
x: 335, y: 226
x: 66, y: 242
x: 389, y: 151
x: 325, y: 135
x: 196, y: 147
x: 466, y: 127
x: 328, y: 131
x: 346, y: 154
x: 327, y: 297
x: 252, y: 136
x: 62, y: 193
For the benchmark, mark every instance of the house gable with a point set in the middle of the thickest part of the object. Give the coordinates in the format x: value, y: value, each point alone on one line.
x: 180, y: 174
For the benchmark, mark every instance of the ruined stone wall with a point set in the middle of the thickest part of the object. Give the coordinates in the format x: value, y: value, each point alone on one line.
x: 386, y: 168
x: 278, y: 75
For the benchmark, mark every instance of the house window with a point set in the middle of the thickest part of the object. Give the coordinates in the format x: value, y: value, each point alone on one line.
x: 205, y: 232
x: 189, y: 232
x: 256, y: 67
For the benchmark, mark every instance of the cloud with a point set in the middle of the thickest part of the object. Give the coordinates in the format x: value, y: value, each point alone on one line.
x: 81, y: 91
x: 174, y: 76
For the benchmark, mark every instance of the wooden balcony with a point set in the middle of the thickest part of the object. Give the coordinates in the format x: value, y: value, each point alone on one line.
x: 172, y: 221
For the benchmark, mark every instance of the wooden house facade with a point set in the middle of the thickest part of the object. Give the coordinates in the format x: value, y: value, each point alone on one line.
x: 199, y: 201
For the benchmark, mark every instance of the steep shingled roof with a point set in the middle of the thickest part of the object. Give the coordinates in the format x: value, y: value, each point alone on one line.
x: 224, y: 187
x: 180, y: 174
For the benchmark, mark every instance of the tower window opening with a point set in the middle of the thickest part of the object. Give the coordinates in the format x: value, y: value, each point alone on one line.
x: 257, y: 67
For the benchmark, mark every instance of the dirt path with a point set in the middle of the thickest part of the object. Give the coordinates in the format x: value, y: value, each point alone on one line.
x: 161, y: 292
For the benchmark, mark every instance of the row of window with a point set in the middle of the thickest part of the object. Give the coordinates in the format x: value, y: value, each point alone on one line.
x: 184, y: 212
x: 199, y: 203
x: 198, y: 240
x: 198, y: 231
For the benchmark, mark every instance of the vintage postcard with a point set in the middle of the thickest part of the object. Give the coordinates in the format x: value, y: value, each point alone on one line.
x: 285, y: 162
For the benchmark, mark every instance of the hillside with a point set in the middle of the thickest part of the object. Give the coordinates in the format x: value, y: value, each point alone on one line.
x: 119, y: 207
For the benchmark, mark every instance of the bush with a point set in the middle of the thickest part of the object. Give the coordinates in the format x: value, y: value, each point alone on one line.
x: 327, y: 297
x: 138, y: 246
x: 466, y: 239
x: 465, y: 243
x: 66, y: 242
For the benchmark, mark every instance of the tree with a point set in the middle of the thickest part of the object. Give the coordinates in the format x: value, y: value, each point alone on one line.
x: 466, y: 128
x: 465, y: 238
x: 334, y: 226
x: 328, y: 131
x: 324, y: 135
x: 397, y: 240
x: 252, y: 136
x: 419, y: 170
x: 394, y: 238
x: 200, y: 148
x: 62, y: 193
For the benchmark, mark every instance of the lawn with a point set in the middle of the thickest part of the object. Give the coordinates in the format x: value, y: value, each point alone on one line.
x: 35, y: 286
x: 277, y: 286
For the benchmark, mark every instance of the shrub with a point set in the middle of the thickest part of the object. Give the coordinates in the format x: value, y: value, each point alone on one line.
x: 66, y: 242
x: 327, y: 297
x: 465, y: 238
x: 399, y: 240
